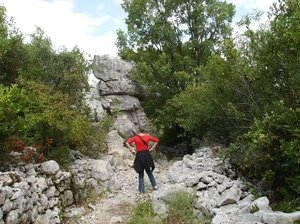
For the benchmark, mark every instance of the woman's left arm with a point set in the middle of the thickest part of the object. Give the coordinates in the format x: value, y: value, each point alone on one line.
x: 130, y: 148
x: 153, y: 147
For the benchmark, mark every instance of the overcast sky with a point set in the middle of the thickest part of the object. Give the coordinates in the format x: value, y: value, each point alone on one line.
x: 89, y: 24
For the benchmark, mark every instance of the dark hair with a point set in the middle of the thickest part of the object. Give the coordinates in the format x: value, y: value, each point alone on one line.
x: 142, y: 128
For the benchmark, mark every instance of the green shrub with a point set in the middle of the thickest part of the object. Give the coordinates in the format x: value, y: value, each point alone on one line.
x: 181, y: 207
x: 254, y: 208
x: 270, y: 150
x: 289, y: 205
x: 142, y: 213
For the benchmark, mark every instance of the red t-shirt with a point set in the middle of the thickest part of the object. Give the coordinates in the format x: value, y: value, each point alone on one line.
x: 139, y: 144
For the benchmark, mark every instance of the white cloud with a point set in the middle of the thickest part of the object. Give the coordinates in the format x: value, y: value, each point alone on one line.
x: 100, y: 7
x: 92, y: 33
x: 253, y: 4
x: 118, y: 2
x: 62, y: 25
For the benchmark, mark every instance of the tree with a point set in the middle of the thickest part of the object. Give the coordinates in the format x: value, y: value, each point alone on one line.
x: 269, y: 149
x: 41, y: 96
x: 65, y: 71
x: 11, y: 49
x: 168, y: 40
x: 55, y: 81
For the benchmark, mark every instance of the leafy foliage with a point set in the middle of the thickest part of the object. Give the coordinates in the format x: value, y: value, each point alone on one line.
x: 12, y: 52
x: 168, y: 41
x: 202, y: 83
x: 270, y: 148
x: 42, y: 97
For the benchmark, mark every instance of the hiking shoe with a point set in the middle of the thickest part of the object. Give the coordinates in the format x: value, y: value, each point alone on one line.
x: 155, y: 187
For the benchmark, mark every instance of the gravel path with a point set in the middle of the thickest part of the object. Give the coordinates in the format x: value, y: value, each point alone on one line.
x: 115, y: 207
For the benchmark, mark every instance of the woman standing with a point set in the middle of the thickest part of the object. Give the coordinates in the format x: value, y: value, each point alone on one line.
x: 143, y: 160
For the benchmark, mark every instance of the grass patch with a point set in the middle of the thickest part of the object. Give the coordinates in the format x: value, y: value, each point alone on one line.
x: 142, y: 213
x: 181, y: 207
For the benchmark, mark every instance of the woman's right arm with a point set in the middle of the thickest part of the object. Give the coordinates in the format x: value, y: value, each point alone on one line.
x: 130, y: 148
x: 156, y: 141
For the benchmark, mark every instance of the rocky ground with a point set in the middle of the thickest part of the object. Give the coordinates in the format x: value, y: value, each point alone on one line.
x: 115, y: 207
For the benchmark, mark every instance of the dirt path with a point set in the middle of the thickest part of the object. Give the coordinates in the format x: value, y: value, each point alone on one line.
x: 115, y: 207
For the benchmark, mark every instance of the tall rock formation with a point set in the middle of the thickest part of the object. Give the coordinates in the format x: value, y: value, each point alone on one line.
x: 117, y: 91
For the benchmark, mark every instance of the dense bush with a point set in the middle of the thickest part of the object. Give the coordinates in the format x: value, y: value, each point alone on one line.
x: 42, y: 109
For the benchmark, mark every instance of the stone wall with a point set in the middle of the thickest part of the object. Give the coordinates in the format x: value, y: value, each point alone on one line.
x: 38, y: 193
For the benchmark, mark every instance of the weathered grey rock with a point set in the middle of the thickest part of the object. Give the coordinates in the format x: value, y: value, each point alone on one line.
x: 50, y: 192
x: 263, y: 204
x: 126, y: 121
x: 112, y: 71
x: 9, y: 178
x: 193, y: 180
x: 176, y: 173
x: 109, y: 158
x: 201, y: 186
x: 75, y: 212
x: 79, y: 180
x: 6, y: 192
x: 103, y: 172
x: 206, y: 179
x: 44, y: 201
x: 76, y: 155
x: 32, y: 214
x: 121, y: 102
x: 67, y: 198
x: 41, y: 183
x: 117, y: 148
x: 7, y: 206
x: 230, y: 196
x: 49, y: 167
x: 295, y: 216
x: 53, y: 202
x: 44, y: 218
x: 276, y: 218
x: 35, y: 196
x: 12, y: 217
x: 92, y: 100
x: 248, y: 217
x: 20, y: 204
x: 115, y: 220
x: 245, y: 205
x: 225, y: 214
x: 31, y: 171
x: 23, y: 186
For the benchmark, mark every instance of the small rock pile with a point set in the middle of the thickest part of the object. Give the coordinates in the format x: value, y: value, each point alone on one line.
x: 219, y: 194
